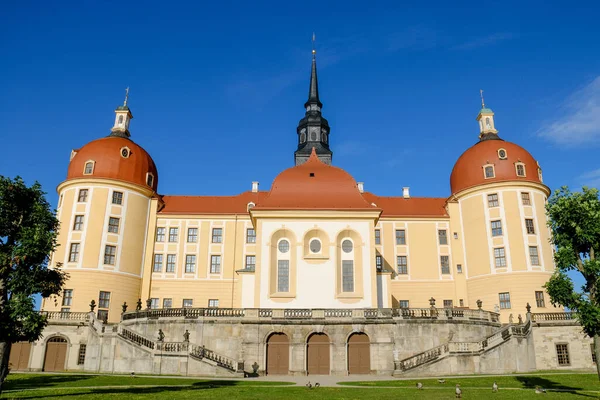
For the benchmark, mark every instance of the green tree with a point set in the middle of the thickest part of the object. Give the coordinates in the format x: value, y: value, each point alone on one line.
x: 574, y: 218
x: 28, y: 229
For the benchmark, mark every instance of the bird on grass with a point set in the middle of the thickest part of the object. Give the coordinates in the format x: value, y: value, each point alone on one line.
x: 441, y: 381
x: 540, y: 390
x: 419, y: 386
x: 458, y: 391
x: 317, y: 385
x: 495, y: 387
x: 309, y: 385
x: 132, y: 374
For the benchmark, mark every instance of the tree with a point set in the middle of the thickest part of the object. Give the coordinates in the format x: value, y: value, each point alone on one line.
x: 574, y: 218
x: 28, y: 230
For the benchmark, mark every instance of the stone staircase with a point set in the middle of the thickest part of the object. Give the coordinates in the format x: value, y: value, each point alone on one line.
x: 450, y: 349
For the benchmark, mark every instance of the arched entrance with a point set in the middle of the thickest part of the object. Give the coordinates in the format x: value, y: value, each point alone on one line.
x: 359, y: 354
x: 278, y: 354
x: 56, y: 354
x: 317, y: 350
x: 19, y: 356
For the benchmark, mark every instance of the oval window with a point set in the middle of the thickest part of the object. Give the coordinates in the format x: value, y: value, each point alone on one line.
x: 502, y: 154
x: 347, y: 246
x: 315, y: 246
x: 284, y: 246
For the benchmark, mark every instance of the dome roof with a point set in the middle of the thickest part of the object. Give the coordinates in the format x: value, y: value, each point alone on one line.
x: 314, y: 185
x: 107, y: 154
x: 469, y: 168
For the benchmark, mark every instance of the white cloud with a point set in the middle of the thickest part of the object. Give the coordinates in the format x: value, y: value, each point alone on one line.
x: 591, y: 178
x: 580, y: 122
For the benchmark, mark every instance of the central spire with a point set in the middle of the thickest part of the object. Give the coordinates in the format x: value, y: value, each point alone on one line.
x: 313, y: 129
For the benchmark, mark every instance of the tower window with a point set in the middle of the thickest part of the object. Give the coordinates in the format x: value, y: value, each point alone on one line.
x: 443, y: 236
x: 502, y: 154
x: 67, y: 299
x: 120, y: 120
x: 125, y: 152
x: 89, y: 168
x: 493, y: 200
x: 302, y: 137
x: 217, y: 235
x: 110, y: 254
x: 539, y: 299
x: 377, y: 236
x: 104, y: 300
x: 402, y: 265
x: 113, y: 225
x: 215, y: 264
x: 400, y: 236
x: 445, y: 264
x: 78, y: 223
x: 520, y: 169
x: 150, y: 179
x: 533, y: 255
x: 529, y: 226
x: 500, y: 257
x: 504, y: 300
x: 158, y: 263
x: 525, y: 199
x: 83, y: 195
x: 496, y: 228
x: 324, y: 137
x: 313, y: 136
x: 489, y: 171
x: 117, y: 198
x: 74, y: 252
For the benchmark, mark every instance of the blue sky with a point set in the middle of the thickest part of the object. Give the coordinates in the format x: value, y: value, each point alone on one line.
x: 217, y: 88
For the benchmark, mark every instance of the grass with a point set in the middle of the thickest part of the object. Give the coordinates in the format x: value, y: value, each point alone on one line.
x: 88, y: 387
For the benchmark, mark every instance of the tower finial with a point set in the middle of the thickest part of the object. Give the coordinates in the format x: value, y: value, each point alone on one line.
x: 481, y: 94
x: 126, y: 96
x: 314, y: 51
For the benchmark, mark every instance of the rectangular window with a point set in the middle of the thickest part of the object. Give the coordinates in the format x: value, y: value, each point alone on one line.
x: 496, y: 228
x: 104, y: 300
x: 347, y: 275
x: 459, y: 268
x: 443, y: 236
x: 533, y: 255
x: 402, y: 265
x: 500, y: 257
x: 74, y: 252
x: 489, y: 172
x: 493, y: 200
x: 110, y: 254
x: 81, y: 357
x: 539, y: 299
x: 283, y: 276
x: 562, y: 353
x: 525, y: 199
x: 160, y: 234
x: 251, y: 262
x: 83, y: 194
x: 102, y: 315
x: 154, y: 303
x: 504, y: 300
x: 520, y: 170
x: 379, y: 263
x: 167, y: 303
x: 377, y: 236
x: 67, y: 299
x: 448, y: 304
x: 192, y: 236
x: 594, y: 359
x: 158, y: 263
x: 171, y: 262
x: 190, y: 264
x: 213, y: 303
x: 400, y: 236
x: 65, y: 310
x: 529, y: 226
x: 403, y: 303
x: 78, y: 223
x: 217, y: 235
x: 250, y: 235
x: 461, y: 303
x: 215, y: 264
x: 445, y: 264
x: 117, y: 198
x: 113, y: 225
x: 188, y: 303
x: 173, y: 234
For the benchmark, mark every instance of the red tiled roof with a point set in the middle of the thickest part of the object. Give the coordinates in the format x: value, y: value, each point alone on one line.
x: 210, y: 204
x: 428, y: 207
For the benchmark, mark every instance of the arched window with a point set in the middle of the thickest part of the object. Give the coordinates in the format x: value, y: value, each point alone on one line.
x: 324, y: 138
x: 313, y: 136
x: 487, y: 123
x: 283, y: 266
x: 89, y: 168
x: 302, y: 137
x: 347, y: 265
x: 120, y: 120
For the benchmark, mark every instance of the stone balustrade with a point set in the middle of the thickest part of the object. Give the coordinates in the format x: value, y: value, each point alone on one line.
x: 200, y: 352
x: 66, y: 316
x: 135, y: 338
x: 556, y: 316
x: 316, y: 314
x: 422, y: 358
x: 172, y: 347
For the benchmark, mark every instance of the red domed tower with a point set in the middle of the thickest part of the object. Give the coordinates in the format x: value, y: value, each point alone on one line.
x: 104, y: 211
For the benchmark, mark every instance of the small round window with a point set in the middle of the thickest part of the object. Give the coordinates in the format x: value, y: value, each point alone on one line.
x: 347, y: 246
x: 125, y: 152
x: 502, y: 154
x: 315, y: 246
x: 284, y: 246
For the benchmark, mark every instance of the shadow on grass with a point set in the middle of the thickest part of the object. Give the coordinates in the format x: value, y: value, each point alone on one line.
x: 42, y: 381
x: 531, y: 382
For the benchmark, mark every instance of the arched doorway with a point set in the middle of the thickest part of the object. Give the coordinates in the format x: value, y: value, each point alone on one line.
x: 359, y: 354
x: 19, y: 356
x: 278, y: 354
x: 56, y: 354
x: 317, y: 350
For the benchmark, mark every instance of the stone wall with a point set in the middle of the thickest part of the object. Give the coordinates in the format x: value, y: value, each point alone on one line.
x: 547, y: 335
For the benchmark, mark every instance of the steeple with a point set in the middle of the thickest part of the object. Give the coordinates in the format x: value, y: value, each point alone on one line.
x: 487, y: 131
x: 122, y: 119
x: 313, y: 129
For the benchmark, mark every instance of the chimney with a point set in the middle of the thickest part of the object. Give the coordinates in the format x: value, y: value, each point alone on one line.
x: 361, y: 186
x: 254, y: 187
x: 405, y: 192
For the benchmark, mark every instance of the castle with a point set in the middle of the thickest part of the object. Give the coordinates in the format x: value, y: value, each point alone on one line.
x: 314, y: 276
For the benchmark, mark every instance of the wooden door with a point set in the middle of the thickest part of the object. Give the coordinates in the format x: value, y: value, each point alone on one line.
x: 359, y: 354
x: 19, y: 356
x: 56, y: 354
x: 318, y: 354
x: 278, y: 354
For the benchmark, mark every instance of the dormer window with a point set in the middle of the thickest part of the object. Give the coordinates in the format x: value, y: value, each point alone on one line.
x: 488, y: 171
x: 520, y: 168
x: 149, y: 179
x: 89, y: 168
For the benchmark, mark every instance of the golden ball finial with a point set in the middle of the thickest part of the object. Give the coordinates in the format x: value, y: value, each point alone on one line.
x: 314, y: 51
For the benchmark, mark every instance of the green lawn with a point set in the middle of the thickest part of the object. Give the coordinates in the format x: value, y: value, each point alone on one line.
x: 73, y: 387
